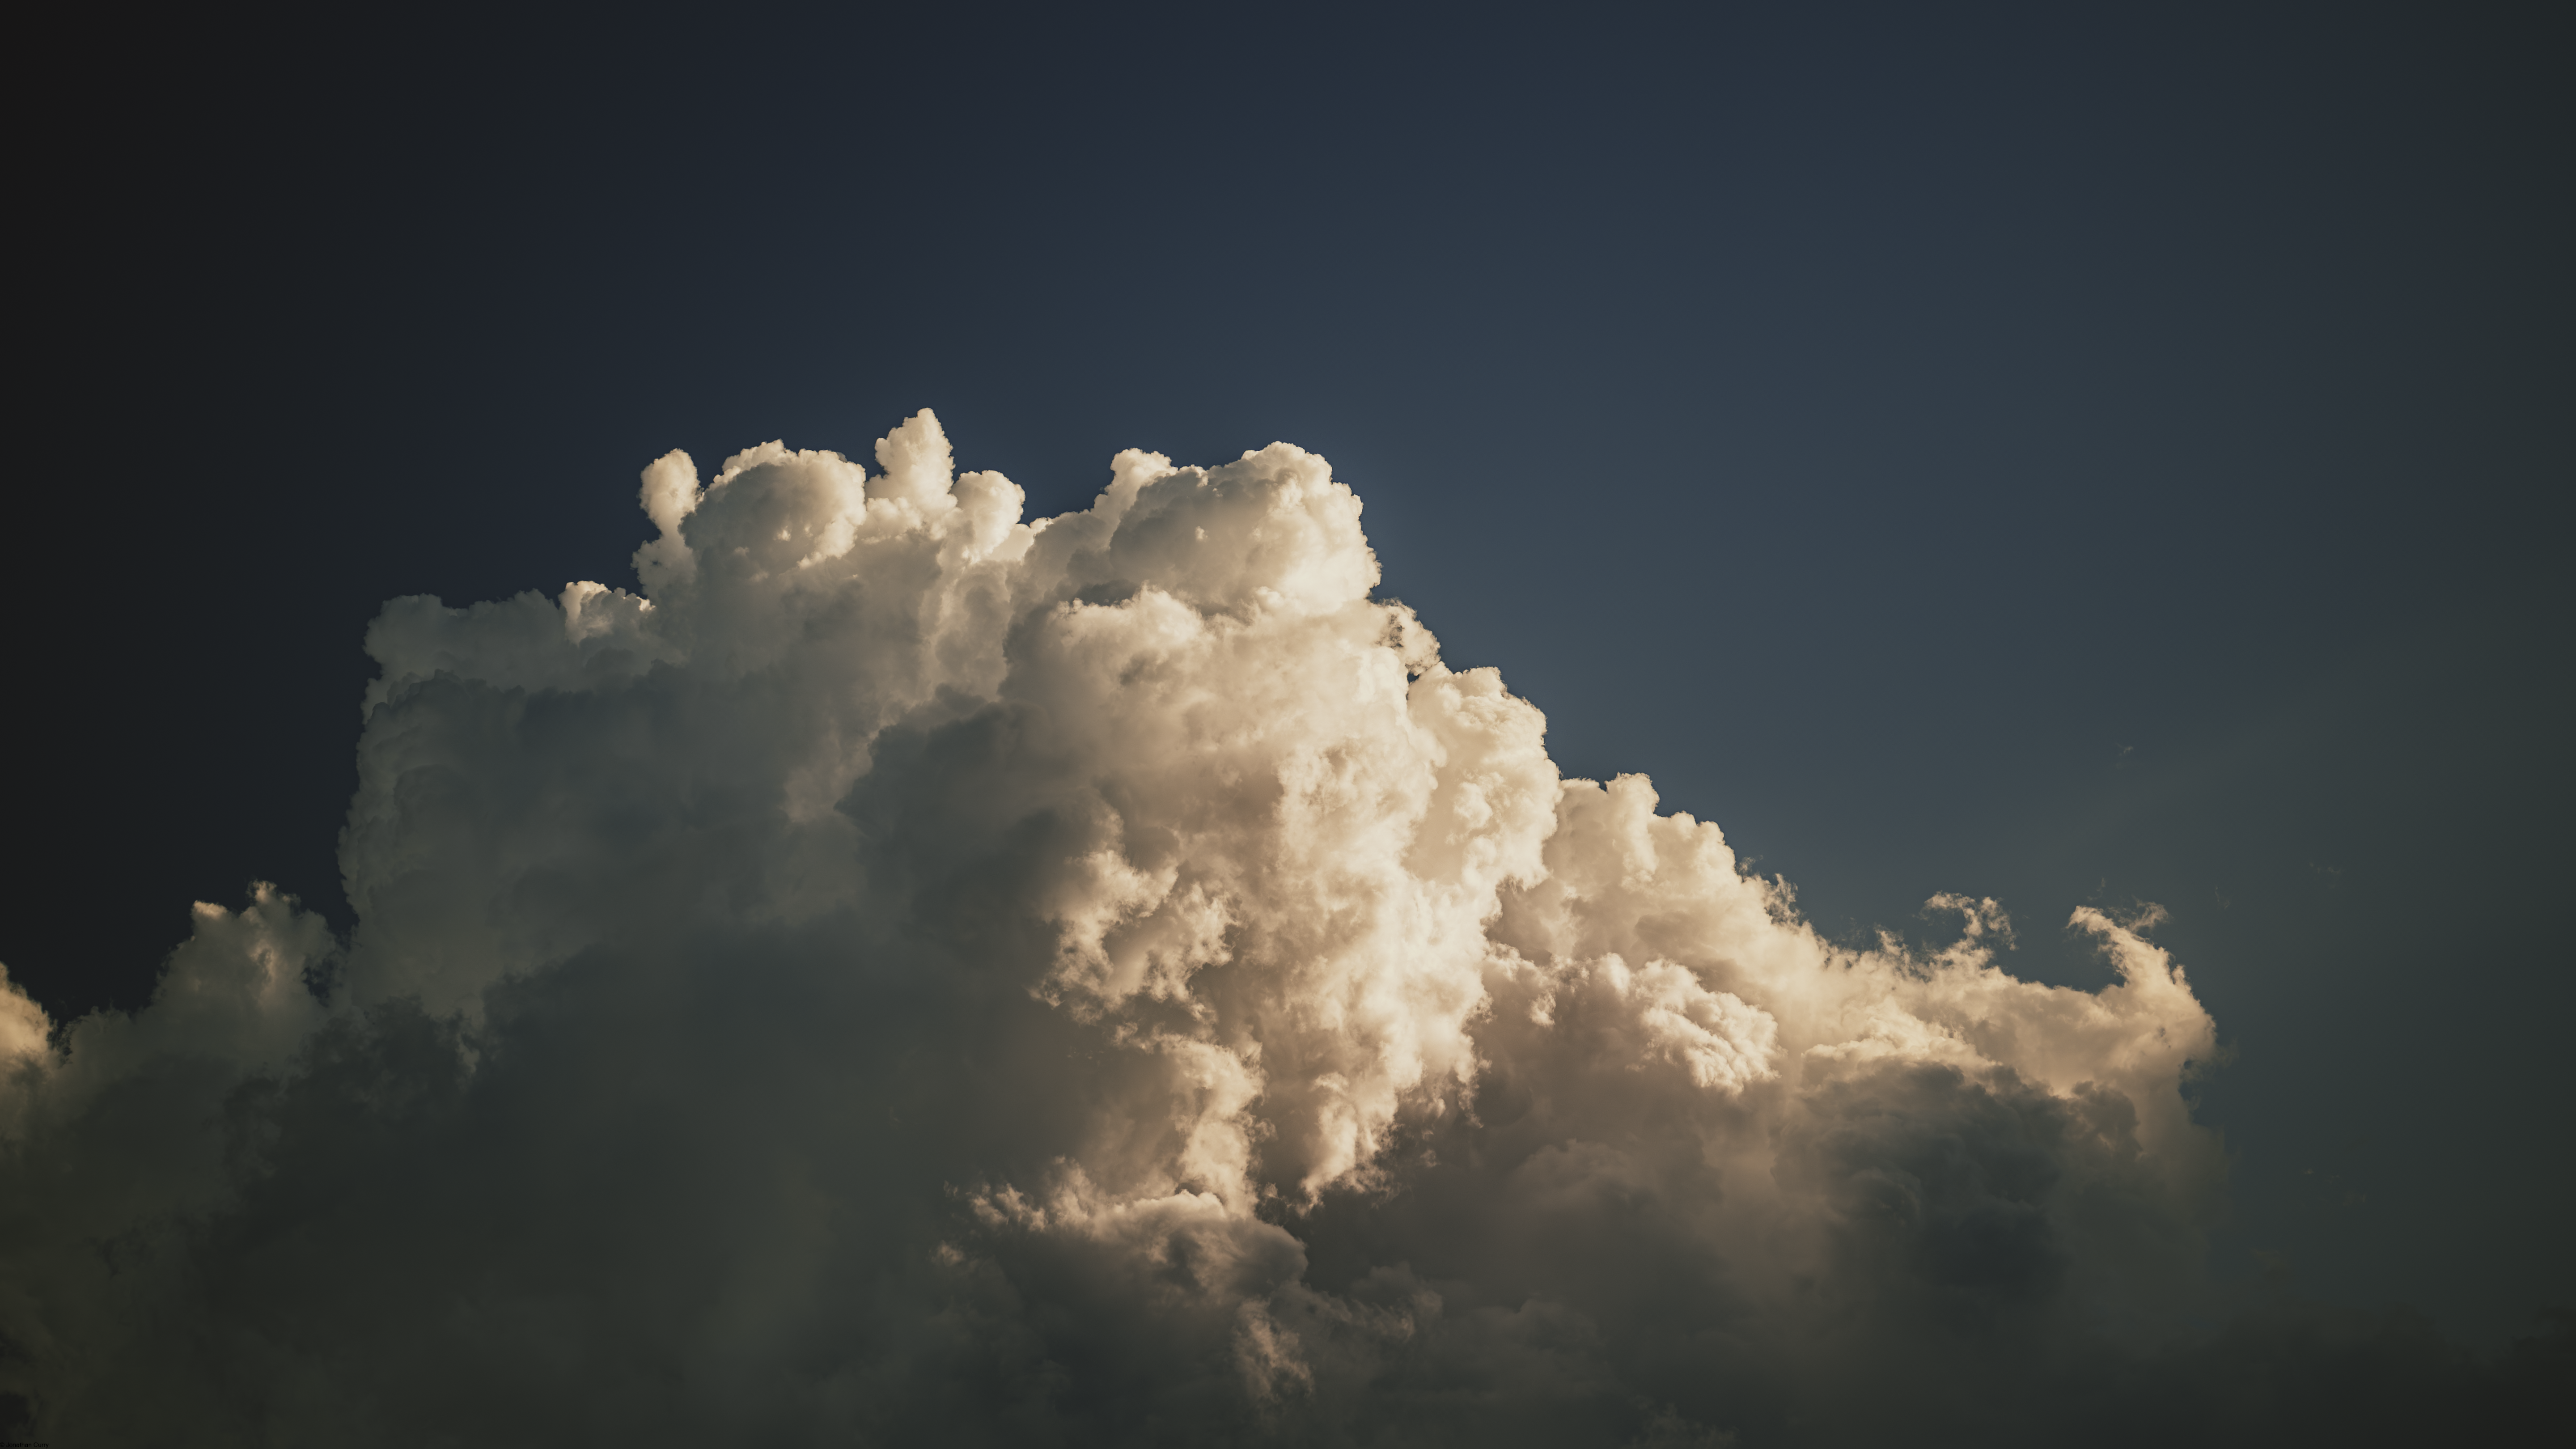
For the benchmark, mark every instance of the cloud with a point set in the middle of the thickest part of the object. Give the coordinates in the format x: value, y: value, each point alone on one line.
x: 911, y: 972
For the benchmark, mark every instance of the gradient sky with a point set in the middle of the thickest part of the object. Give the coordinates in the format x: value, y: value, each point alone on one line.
x: 2066, y: 454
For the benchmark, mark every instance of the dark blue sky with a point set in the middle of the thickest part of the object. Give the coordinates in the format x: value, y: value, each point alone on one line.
x: 2064, y: 453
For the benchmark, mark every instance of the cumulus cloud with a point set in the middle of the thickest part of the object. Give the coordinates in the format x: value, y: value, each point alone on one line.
x: 911, y: 972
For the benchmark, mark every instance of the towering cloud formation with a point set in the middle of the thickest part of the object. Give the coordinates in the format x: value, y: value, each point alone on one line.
x: 915, y: 973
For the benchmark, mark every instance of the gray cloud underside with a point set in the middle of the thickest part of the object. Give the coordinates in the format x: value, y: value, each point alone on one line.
x: 914, y: 974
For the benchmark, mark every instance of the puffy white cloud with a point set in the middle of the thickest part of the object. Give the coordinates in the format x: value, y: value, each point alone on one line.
x: 912, y: 972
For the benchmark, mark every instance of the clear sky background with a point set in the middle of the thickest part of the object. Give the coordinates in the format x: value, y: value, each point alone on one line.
x: 2072, y: 454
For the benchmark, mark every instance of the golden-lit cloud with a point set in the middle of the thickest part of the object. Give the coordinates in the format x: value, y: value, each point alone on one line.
x: 918, y: 973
